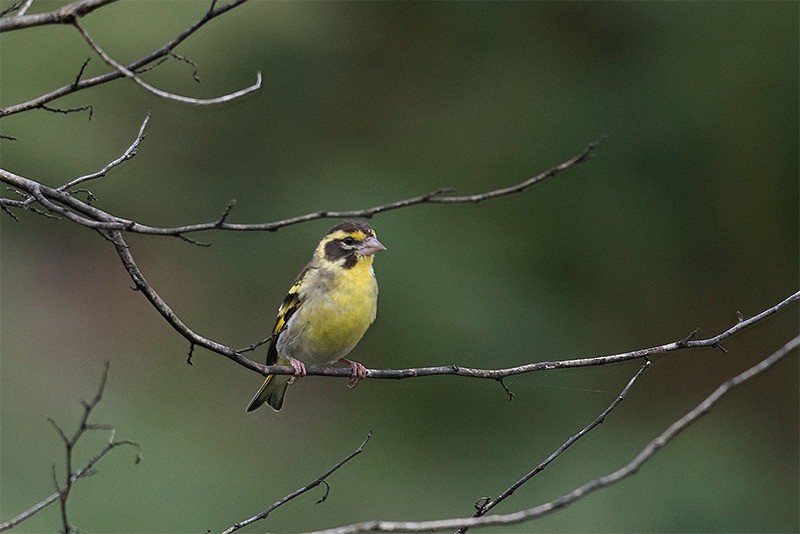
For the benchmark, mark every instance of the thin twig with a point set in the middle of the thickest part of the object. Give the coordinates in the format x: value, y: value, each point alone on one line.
x: 155, y: 90
x: 488, y: 504
x: 115, y: 74
x: 43, y: 213
x: 254, y: 346
x: 195, y: 67
x: 65, y: 15
x: 84, y: 471
x: 141, y: 284
x: 9, y: 212
x: 193, y: 241
x: 152, y: 65
x: 67, y: 111
x: 612, y: 478
x: 300, y: 491
x: 80, y: 72
x: 128, y: 154
x: 95, y: 218
x: 62, y: 492
x: 101, y: 220
x: 14, y: 7
x: 107, y: 221
x: 69, y: 445
x: 495, y: 374
x: 172, y: 318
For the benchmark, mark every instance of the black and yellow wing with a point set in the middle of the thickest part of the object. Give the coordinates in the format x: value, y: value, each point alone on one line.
x: 273, y: 390
x: 288, y: 308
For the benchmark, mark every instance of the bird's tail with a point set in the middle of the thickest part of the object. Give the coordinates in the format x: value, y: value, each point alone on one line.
x: 272, y: 391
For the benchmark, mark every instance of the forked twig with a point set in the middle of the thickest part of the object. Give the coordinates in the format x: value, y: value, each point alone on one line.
x: 107, y: 221
x: 300, y: 491
x: 73, y: 11
x: 629, y: 469
x: 488, y: 504
x: 159, y: 92
x: 72, y: 476
x: 128, y: 154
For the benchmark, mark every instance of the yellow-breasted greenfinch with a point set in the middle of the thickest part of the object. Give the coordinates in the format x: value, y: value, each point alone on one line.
x: 327, y: 311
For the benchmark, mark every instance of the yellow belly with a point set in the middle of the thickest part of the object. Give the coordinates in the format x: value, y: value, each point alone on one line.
x: 335, y: 314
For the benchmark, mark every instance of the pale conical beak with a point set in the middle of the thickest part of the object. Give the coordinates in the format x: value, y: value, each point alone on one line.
x: 370, y: 246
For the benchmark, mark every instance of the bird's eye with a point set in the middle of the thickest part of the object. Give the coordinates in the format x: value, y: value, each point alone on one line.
x: 349, y: 241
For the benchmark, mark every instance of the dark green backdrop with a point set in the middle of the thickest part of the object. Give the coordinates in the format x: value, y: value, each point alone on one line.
x: 688, y: 214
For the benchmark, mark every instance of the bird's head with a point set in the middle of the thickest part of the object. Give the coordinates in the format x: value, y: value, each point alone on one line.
x: 349, y: 243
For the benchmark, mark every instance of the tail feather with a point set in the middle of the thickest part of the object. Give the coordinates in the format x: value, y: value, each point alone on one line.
x: 272, y: 391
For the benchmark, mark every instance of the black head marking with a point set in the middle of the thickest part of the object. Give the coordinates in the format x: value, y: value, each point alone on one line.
x: 335, y: 250
x: 352, y: 226
x: 349, y: 234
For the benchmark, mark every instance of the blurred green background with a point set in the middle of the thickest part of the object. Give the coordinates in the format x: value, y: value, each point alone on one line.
x: 688, y: 214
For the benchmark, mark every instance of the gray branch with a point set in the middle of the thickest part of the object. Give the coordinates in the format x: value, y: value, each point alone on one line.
x: 486, y: 506
x: 106, y: 221
x: 65, y: 15
x: 612, y: 478
x: 72, y: 476
x: 78, y: 84
x: 300, y: 491
x: 497, y: 374
x: 159, y: 92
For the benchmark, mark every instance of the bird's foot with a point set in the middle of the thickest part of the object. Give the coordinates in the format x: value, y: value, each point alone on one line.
x: 358, y: 372
x: 299, y: 369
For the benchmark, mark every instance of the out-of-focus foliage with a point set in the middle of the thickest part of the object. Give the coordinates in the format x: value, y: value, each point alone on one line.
x: 688, y: 214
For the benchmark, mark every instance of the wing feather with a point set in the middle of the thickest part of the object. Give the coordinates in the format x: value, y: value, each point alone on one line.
x: 288, y: 307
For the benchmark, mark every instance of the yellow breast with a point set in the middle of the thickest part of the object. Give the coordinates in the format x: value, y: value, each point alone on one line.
x: 338, y: 307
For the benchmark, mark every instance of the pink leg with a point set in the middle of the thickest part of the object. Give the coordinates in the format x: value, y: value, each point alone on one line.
x: 299, y: 369
x: 358, y: 372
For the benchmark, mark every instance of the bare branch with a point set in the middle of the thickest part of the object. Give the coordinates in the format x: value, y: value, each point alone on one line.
x: 84, y: 471
x: 495, y: 374
x: 69, y: 445
x: 298, y: 492
x: 35, y: 193
x: 38, y: 194
x: 62, y: 492
x: 65, y: 15
x: 107, y: 221
x: 67, y: 111
x: 255, y: 345
x: 155, y: 90
x: 9, y: 212
x: 163, y: 308
x: 488, y: 504
x: 128, y: 154
x: 123, y: 251
x: 195, y: 67
x: 25, y: 7
x: 92, y: 217
x: 80, y: 72
x: 612, y: 478
x: 116, y: 74
x: 14, y: 7
x: 434, y: 197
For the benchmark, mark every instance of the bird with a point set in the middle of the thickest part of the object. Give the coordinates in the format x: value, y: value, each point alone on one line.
x: 327, y: 311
